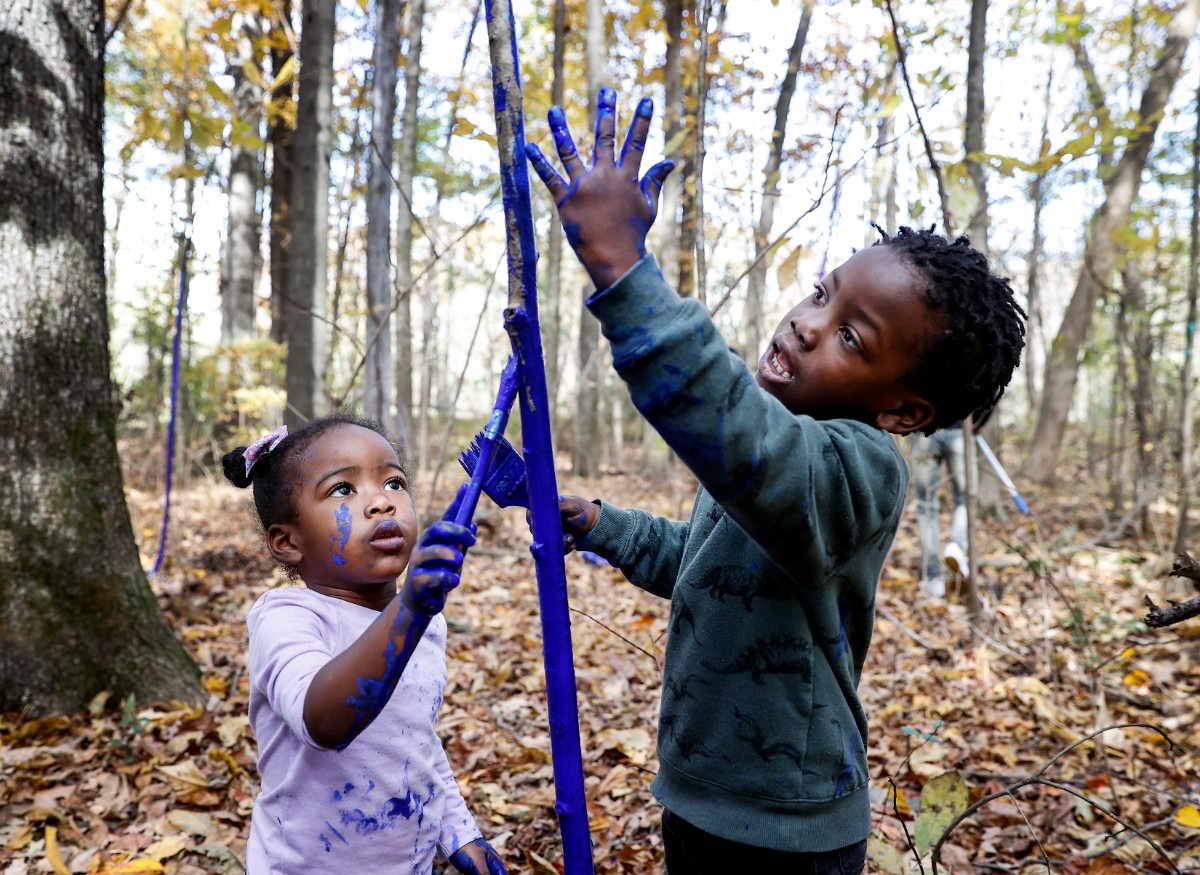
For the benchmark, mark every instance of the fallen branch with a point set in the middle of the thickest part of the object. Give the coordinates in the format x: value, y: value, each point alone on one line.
x: 1156, y: 617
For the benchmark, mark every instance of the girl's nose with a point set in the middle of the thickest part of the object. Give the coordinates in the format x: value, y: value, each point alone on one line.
x: 381, y: 502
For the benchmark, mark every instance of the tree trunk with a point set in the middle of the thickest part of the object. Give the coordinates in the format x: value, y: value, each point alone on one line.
x: 585, y: 451
x: 757, y: 280
x: 307, y: 331
x: 378, y: 376
x: 977, y: 222
x: 1034, y: 347
x: 1100, y: 253
x: 405, y: 167
x: 240, y: 275
x: 76, y: 614
x: 280, y: 136
x: 667, y: 226
x: 550, y: 297
x: 883, y: 171
x: 1187, y: 396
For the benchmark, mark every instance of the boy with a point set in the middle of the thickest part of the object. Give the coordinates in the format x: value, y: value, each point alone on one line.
x: 761, y: 738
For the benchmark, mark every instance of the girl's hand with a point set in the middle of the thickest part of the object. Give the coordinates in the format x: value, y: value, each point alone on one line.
x: 578, y: 518
x: 478, y: 858
x: 437, y: 563
x: 605, y: 210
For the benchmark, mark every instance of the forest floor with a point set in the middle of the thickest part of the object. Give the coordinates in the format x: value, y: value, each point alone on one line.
x: 1071, y: 727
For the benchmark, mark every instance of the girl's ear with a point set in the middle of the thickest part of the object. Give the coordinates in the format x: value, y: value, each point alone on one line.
x: 911, y: 414
x: 281, y: 541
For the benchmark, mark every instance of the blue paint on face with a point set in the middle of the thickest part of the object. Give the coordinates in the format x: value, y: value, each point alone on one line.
x: 342, y: 518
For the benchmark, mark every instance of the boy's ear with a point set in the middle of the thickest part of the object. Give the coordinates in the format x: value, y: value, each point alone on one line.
x: 282, y: 544
x: 912, y: 413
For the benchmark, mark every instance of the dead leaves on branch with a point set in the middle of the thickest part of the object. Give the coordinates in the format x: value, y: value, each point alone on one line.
x: 155, y: 788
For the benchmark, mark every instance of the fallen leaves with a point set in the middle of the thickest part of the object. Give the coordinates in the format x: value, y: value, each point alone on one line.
x: 127, y: 787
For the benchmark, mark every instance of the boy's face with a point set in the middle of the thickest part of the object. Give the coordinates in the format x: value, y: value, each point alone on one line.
x: 844, y: 351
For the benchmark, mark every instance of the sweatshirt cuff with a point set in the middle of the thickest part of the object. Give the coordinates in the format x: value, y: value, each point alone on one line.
x: 600, y: 294
x: 605, y: 536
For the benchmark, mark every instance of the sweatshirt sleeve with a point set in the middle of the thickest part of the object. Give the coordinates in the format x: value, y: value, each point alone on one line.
x: 809, y: 492
x: 647, y: 549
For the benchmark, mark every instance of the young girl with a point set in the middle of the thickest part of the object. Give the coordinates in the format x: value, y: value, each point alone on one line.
x: 347, y: 673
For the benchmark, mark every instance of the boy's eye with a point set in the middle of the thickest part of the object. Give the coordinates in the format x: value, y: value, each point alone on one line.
x: 396, y: 484
x: 848, y: 337
x: 819, y: 294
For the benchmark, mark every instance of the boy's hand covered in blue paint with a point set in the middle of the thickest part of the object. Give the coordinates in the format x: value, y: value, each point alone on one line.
x: 605, y: 209
x: 478, y: 858
x: 437, y: 563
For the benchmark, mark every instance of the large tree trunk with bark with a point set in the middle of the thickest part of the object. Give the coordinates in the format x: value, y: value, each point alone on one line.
x: 307, y: 331
x: 1100, y: 253
x: 76, y: 614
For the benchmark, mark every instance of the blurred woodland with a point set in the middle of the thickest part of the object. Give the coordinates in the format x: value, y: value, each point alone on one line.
x: 217, y: 215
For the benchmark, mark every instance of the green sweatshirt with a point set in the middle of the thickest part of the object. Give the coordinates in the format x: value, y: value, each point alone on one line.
x: 761, y: 735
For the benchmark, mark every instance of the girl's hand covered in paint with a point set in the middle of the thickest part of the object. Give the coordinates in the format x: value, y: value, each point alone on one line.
x: 437, y: 563
x: 478, y: 858
x: 605, y: 209
x: 578, y: 518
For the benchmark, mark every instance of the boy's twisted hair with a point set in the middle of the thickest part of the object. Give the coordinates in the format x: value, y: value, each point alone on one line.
x: 274, y: 472
x: 967, y: 367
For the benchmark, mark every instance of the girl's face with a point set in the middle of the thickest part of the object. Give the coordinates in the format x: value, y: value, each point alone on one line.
x: 355, y: 524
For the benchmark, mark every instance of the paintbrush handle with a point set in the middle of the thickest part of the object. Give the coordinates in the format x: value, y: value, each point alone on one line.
x: 487, y: 444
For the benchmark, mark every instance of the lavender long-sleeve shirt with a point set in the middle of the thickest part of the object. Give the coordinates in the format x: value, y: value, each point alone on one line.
x: 388, y: 802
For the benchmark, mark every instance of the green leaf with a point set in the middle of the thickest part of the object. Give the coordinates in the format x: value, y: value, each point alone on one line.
x: 942, y: 799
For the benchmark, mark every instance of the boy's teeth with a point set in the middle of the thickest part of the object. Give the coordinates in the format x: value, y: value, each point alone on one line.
x: 779, y: 368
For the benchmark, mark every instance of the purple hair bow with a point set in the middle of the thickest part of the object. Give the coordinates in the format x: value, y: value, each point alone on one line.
x: 264, y: 444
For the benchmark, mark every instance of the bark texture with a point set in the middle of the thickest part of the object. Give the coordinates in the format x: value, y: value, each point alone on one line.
x: 76, y: 614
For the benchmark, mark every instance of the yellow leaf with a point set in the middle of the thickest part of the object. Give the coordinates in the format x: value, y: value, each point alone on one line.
x: 285, y: 74
x: 53, y: 856
x: 1137, y: 678
x: 218, y: 686
x: 1189, y: 816
x: 138, y: 867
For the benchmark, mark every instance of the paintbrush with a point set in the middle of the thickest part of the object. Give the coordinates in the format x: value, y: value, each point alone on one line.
x: 504, y: 482
x: 485, y: 442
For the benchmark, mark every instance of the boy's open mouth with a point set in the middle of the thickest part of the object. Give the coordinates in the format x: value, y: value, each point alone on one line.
x: 774, y: 367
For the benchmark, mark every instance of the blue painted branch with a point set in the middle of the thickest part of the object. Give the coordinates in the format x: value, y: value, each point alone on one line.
x: 522, y: 324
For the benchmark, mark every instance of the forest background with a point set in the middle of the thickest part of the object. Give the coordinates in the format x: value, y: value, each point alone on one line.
x: 197, y: 242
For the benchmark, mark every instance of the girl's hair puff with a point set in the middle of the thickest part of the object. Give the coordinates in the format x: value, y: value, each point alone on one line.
x: 274, y: 472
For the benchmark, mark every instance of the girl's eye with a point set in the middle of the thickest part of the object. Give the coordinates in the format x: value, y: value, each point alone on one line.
x: 395, y: 484
x: 341, y: 490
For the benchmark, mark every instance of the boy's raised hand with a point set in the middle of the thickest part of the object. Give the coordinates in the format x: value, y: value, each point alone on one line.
x: 578, y: 518
x: 605, y: 209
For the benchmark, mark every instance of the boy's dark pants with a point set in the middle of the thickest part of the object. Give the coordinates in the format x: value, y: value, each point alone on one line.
x: 691, y: 851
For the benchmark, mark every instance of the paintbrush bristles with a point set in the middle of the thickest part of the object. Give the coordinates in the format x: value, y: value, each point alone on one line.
x: 505, y: 480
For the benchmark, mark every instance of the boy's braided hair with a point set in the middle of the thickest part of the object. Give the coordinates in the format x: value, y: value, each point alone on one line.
x: 965, y: 369
x: 274, y: 473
